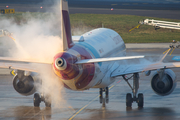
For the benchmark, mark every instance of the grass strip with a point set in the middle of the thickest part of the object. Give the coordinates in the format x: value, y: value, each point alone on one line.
x: 81, y: 23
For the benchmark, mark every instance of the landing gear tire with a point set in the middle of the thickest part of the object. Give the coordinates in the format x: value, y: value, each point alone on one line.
x: 37, y: 100
x: 107, y: 94
x: 107, y: 91
x: 129, y: 100
x: 100, y: 95
x: 48, y: 104
x: 107, y: 99
x: 140, y: 100
x: 101, y: 98
x: 47, y: 101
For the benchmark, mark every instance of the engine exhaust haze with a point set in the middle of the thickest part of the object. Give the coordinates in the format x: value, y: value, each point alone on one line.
x: 36, y: 37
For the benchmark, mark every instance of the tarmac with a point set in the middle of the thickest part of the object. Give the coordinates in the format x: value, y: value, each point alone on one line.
x: 171, y: 14
x: 85, y: 105
x: 147, y: 45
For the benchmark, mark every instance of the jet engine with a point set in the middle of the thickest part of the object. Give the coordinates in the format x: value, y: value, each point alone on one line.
x: 23, y: 83
x: 163, y: 82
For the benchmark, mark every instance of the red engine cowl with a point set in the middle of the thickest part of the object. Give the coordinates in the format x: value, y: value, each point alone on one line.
x: 74, y: 76
x: 64, y: 66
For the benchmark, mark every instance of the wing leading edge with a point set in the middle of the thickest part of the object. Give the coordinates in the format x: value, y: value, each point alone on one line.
x: 26, y: 64
x: 19, y: 66
x: 24, y: 60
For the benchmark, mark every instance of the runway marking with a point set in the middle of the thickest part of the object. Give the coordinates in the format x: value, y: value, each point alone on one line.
x: 87, y: 105
x: 119, y: 81
x: 114, y: 4
x: 135, y: 3
x: 82, y: 109
x: 28, y: 112
x: 125, y: 4
x: 111, y: 87
x: 38, y: 113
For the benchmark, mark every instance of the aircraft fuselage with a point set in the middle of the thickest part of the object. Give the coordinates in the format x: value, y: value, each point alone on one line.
x: 98, y: 43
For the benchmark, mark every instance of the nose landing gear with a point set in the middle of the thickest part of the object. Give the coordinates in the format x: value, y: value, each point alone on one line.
x: 106, y: 99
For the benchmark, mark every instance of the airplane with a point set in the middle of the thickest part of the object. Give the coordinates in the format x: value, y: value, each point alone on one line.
x: 91, y: 61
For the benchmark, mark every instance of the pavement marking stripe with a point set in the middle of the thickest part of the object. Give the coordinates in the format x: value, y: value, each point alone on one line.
x: 28, y: 112
x: 111, y: 87
x: 86, y: 105
x: 82, y: 109
x: 119, y: 81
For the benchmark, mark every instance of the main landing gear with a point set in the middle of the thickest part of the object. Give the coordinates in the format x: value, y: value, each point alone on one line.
x: 106, y: 99
x: 129, y: 98
x: 38, y: 98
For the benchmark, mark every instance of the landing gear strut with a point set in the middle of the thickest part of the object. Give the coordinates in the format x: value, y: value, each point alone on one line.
x: 129, y: 98
x: 106, y: 90
x: 38, y: 98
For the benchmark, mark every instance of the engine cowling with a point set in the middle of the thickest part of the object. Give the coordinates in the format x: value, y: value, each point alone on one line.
x: 24, y: 84
x: 165, y: 84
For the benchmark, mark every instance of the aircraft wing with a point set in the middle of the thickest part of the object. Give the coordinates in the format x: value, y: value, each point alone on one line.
x: 24, y: 60
x: 25, y: 64
x: 18, y: 66
x: 135, y: 68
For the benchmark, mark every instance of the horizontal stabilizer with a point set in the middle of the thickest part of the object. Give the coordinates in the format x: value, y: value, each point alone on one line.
x: 106, y: 59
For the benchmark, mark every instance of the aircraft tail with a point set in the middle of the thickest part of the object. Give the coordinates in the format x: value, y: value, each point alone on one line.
x: 65, y: 26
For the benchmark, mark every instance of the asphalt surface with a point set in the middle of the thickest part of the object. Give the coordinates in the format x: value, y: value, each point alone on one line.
x: 120, y: 4
x: 85, y: 105
x: 171, y: 14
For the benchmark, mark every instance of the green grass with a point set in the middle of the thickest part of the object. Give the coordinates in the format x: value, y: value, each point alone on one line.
x: 123, y: 23
x: 120, y: 23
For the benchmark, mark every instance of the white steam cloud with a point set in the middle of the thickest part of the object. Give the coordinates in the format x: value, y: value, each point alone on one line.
x: 80, y: 28
x: 38, y: 39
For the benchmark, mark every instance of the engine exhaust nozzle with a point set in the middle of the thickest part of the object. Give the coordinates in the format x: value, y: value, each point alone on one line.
x: 60, y: 64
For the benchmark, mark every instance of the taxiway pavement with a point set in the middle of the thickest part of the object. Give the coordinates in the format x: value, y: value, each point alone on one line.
x: 171, y: 14
x: 85, y: 105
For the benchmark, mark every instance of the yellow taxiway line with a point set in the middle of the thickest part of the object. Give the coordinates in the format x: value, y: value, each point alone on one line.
x: 86, y: 105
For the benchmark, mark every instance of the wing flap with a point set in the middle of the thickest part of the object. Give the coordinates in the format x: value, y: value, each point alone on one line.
x: 130, y: 69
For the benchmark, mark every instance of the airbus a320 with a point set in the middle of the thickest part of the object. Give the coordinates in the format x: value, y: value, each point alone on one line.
x: 92, y: 61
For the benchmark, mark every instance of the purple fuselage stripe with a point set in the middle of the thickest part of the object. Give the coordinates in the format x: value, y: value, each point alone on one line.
x: 72, y: 70
x: 67, y: 27
x: 88, y: 69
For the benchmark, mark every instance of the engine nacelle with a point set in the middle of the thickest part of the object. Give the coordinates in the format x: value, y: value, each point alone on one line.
x: 25, y: 85
x: 166, y: 84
